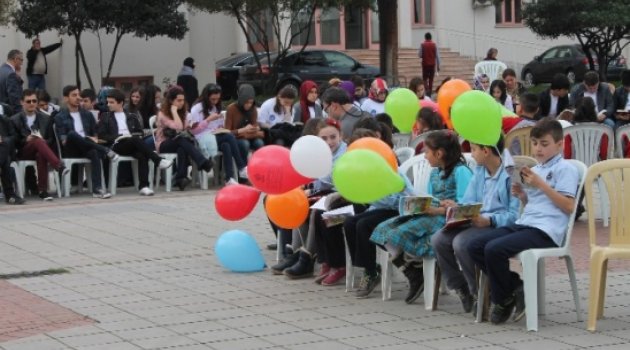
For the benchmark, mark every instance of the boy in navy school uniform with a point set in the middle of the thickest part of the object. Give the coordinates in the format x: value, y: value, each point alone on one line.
x: 548, y: 195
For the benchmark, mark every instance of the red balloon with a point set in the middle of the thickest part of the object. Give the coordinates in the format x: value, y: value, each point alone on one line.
x: 270, y: 170
x: 234, y: 202
x: 429, y: 104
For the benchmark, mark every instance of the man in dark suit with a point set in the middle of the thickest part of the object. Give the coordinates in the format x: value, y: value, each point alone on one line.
x: 76, y: 129
x: 7, y: 153
x: 187, y: 81
x: 621, y: 100
x: 555, y: 99
x: 34, y: 140
x: 600, y: 93
x: 10, y: 81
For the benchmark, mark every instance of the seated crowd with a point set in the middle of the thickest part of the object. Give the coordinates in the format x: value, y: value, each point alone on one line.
x: 102, y: 128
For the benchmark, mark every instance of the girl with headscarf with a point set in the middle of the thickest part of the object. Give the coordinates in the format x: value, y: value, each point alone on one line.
x: 241, y: 118
x: 349, y: 88
x: 307, y: 107
x: 375, y: 103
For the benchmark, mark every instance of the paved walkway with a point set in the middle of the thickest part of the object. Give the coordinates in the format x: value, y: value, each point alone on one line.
x: 143, y: 270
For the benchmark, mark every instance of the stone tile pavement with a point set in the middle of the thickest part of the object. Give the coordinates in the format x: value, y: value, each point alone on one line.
x: 144, y: 270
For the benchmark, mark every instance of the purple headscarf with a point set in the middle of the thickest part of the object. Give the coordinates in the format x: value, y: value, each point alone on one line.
x: 348, y: 87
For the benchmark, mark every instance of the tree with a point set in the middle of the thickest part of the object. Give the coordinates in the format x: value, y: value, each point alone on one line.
x: 75, y: 17
x: 262, y: 23
x: 388, y: 34
x: 601, y: 27
x: 5, y: 9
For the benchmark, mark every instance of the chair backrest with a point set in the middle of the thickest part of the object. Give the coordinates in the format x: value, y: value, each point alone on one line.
x: 152, y: 120
x: 418, y: 170
x: 612, y: 173
x: 493, y: 69
x: 420, y: 138
x: 57, y: 143
x: 470, y: 161
x: 404, y: 153
x: 401, y: 140
x: 586, y: 139
x: 524, y: 161
x: 581, y: 168
x: 622, y: 131
x: 518, y: 142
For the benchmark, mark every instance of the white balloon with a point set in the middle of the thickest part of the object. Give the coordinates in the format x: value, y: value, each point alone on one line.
x: 311, y: 157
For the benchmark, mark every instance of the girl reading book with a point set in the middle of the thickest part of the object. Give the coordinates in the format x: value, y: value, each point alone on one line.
x: 408, y: 238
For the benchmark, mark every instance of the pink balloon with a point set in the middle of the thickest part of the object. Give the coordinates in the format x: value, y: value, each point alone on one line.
x: 235, y: 202
x: 429, y: 104
x: 270, y: 170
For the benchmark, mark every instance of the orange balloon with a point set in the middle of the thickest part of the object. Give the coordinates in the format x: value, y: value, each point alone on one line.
x: 288, y: 210
x: 447, y: 95
x: 378, y: 146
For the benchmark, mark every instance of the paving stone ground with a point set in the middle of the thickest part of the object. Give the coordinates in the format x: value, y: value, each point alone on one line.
x: 144, y: 272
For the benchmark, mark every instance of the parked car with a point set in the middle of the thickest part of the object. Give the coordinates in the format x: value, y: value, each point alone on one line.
x: 567, y: 59
x: 316, y: 65
x: 227, y: 72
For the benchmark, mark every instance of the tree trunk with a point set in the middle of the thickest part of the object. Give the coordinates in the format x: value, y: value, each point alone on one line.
x: 119, y: 36
x: 388, y: 33
x: 86, y: 68
x: 76, y: 61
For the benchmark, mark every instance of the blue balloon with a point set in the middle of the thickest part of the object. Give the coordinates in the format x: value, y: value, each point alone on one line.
x: 238, y: 252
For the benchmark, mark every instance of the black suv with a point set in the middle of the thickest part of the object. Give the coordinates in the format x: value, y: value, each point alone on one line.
x: 317, y: 65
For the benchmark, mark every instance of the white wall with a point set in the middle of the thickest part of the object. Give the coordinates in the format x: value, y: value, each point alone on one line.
x: 211, y: 37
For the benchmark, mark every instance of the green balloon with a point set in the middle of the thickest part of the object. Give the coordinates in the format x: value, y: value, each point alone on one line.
x: 476, y: 117
x: 403, y: 106
x: 363, y: 176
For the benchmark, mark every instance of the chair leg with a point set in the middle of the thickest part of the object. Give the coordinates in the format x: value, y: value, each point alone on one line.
x: 572, y: 279
x: 428, y: 269
x: 481, y: 295
x: 603, y: 201
x: 151, y: 174
x: 541, y: 286
x: 135, y: 175
x: 436, y: 287
x: 602, y: 292
x: 168, y: 180
x: 597, y: 287
x: 386, y: 279
x: 530, y: 287
x: 66, y: 181
x: 279, y: 246
x: 113, y: 177
x: 349, y: 268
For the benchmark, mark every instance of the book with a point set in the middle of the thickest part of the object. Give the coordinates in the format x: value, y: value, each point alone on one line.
x: 337, y: 216
x: 413, y: 205
x: 221, y: 131
x: 324, y: 203
x: 36, y: 133
x: 461, y: 215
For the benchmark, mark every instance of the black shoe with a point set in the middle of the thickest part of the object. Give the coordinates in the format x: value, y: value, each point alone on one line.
x: 45, y: 196
x: 287, y: 262
x: 502, y: 312
x: 398, y: 261
x: 272, y: 246
x: 14, y: 200
x: 207, y: 165
x: 466, y: 298
x: 302, y: 268
x: 579, y: 211
x: 415, y: 276
x: 367, y: 285
x: 183, y: 183
x: 519, y: 300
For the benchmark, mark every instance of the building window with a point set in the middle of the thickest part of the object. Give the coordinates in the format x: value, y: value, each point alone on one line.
x: 299, y: 31
x: 509, y: 12
x: 423, y: 12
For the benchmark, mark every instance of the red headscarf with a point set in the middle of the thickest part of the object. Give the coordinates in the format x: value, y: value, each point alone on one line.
x: 378, y: 85
x: 305, y: 88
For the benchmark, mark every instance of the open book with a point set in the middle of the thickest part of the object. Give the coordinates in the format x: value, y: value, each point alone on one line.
x: 461, y: 215
x: 36, y: 133
x: 337, y: 216
x: 412, y: 205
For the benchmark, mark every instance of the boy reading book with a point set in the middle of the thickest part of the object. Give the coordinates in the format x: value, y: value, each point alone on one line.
x: 548, y: 200
x: 490, y: 185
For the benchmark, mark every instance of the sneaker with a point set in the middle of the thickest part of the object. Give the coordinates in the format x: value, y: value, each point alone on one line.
x: 242, y: 174
x: 466, y: 298
x: 323, y: 273
x: 415, y: 276
x: 45, y: 196
x: 113, y: 156
x: 367, y: 285
x: 15, y: 200
x: 183, y: 183
x: 334, y: 276
x: 165, y: 164
x: 231, y: 181
x: 101, y: 193
x: 519, y: 301
x: 145, y: 191
x: 502, y: 312
x: 284, y: 264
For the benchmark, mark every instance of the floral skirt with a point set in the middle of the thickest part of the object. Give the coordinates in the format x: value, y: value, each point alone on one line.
x: 411, y: 233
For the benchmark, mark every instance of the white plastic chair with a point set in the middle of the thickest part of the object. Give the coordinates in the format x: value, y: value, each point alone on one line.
x: 533, y: 264
x: 586, y: 139
x: 493, y: 69
x: 168, y: 173
x: 20, y: 171
x: 619, y: 134
x: 470, y: 161
x: 414, y: 142
x: 113, y: 172
x: 401, y: 140
x: 404, y: 153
